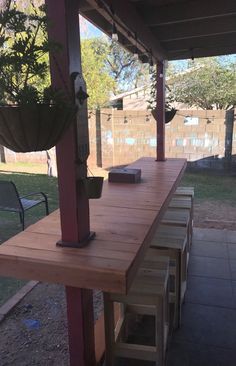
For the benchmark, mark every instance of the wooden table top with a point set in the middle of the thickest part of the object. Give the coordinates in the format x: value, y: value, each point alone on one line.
x: 124, y: 219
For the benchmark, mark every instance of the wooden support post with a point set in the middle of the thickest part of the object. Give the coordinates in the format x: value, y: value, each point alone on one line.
x: 229, y: 128
x: 98, y: 138
x: 160, y: 110
x: 72, y: 152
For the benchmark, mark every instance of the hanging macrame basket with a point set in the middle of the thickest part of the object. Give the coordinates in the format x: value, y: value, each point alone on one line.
x: 33, y: 127
x: 93, y: 186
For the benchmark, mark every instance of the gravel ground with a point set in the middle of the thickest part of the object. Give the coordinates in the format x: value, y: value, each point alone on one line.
x: 35, y: 332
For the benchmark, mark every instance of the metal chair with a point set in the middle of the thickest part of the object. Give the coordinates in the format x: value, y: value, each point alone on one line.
x: 11, y: 201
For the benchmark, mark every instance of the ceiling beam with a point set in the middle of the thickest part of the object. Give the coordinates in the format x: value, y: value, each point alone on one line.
x: 202, y: 52
x: 206, y: 42
x: 128, y: 22
x: 187, y: 11
x: 204, y: 28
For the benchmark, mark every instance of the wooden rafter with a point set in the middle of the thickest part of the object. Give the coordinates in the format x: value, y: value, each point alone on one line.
x: 187, y: 11
x: 173, y: 29
x: 128, y: 21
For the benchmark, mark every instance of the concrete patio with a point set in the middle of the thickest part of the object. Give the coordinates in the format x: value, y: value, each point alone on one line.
x: 207, y: 336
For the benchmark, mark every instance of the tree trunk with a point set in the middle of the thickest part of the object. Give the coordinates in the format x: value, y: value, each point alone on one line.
x: 51, y: 162
x: 2, y: 154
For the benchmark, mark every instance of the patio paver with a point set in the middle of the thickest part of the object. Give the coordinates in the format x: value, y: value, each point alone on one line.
x: 209, y: 267
x: 210, y: 291
x: 210, y: 249
x: 207, y: 336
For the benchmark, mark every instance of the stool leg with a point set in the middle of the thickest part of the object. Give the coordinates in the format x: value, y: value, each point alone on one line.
x: 109, y: 330
x: 183, y: 273
x: 159, y: 332
x: 178, y: 290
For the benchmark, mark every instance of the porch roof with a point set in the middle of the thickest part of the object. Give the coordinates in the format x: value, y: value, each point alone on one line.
x: 169, y: 29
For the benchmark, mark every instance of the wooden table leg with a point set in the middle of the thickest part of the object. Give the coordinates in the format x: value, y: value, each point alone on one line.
x: 80, y: 326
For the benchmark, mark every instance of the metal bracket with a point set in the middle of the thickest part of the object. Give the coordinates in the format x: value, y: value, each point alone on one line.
x: 80, y: 244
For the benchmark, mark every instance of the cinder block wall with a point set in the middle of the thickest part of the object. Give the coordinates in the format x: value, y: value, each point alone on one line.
x: 120, y: 137
x: 127, y: 135
x: 32, y: 157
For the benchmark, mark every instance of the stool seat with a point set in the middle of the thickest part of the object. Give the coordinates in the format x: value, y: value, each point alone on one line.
x: 172, y: 237
x: 181, y: 203
x: 146, y: 288
x: 185, y: 190
x: 177, y: 217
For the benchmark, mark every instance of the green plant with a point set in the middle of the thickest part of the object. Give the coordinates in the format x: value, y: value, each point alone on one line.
x: 24, y: 48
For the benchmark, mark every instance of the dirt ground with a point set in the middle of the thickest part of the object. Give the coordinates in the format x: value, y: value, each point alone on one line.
x: 218, y: 215
x: 35, y: 332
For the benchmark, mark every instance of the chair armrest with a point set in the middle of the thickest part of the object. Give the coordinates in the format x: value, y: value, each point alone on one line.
x: 35, y: 194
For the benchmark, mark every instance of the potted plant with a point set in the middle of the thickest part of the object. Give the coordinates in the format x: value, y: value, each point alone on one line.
x: 93, y: 185
x: 33, y: 116
x: 169, y: 110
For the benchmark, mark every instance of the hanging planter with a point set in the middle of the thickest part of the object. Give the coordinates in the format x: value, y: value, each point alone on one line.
x: 93, y: 187
x: 169, y: 114
x: 33, y: 115
x: 33, y: 127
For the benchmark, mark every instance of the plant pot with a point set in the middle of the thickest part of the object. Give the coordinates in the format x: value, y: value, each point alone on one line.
x: 33, y: 127
x: 93, y: 186
x: 169, y: 115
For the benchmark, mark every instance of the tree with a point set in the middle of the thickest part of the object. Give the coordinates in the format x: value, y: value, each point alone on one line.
x: 99, y: 82
x: 210, y: 84
x: 126, y: 71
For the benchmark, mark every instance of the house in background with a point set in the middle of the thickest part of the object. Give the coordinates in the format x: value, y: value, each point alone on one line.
x: 138, y: 98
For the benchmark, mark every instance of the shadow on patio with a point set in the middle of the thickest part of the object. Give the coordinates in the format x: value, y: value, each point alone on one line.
x: 207, y: 336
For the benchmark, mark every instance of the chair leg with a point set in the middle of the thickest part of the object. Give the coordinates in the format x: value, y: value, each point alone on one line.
x: 22, y: 219
x: 46, y: 206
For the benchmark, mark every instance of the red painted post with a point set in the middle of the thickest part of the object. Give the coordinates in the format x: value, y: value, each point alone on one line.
x: 160, y: 113
x: 74, y: 206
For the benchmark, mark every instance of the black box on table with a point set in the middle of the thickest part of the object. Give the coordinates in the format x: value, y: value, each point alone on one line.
x: 124, y: 175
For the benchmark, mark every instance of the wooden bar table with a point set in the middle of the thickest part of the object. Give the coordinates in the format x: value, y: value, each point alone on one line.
x: 124, y: 220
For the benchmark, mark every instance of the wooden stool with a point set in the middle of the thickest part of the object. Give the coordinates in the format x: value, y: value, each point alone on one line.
x: 179, y: 217
x: 184, y: 192
x: 148, y: 295
x: 172, y: 241
x: 185, y: 203
x: 154, y: 259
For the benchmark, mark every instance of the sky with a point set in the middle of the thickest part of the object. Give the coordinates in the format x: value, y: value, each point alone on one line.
x: 88, y: 30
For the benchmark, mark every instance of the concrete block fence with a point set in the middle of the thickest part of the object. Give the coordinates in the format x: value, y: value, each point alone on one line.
x: 118, y: 137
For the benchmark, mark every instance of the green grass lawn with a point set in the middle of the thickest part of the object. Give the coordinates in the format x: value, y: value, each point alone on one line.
x: 212, y: 187
x: 9, y: 222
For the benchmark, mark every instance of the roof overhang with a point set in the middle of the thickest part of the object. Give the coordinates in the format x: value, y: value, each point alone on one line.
x: 168, y: 29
